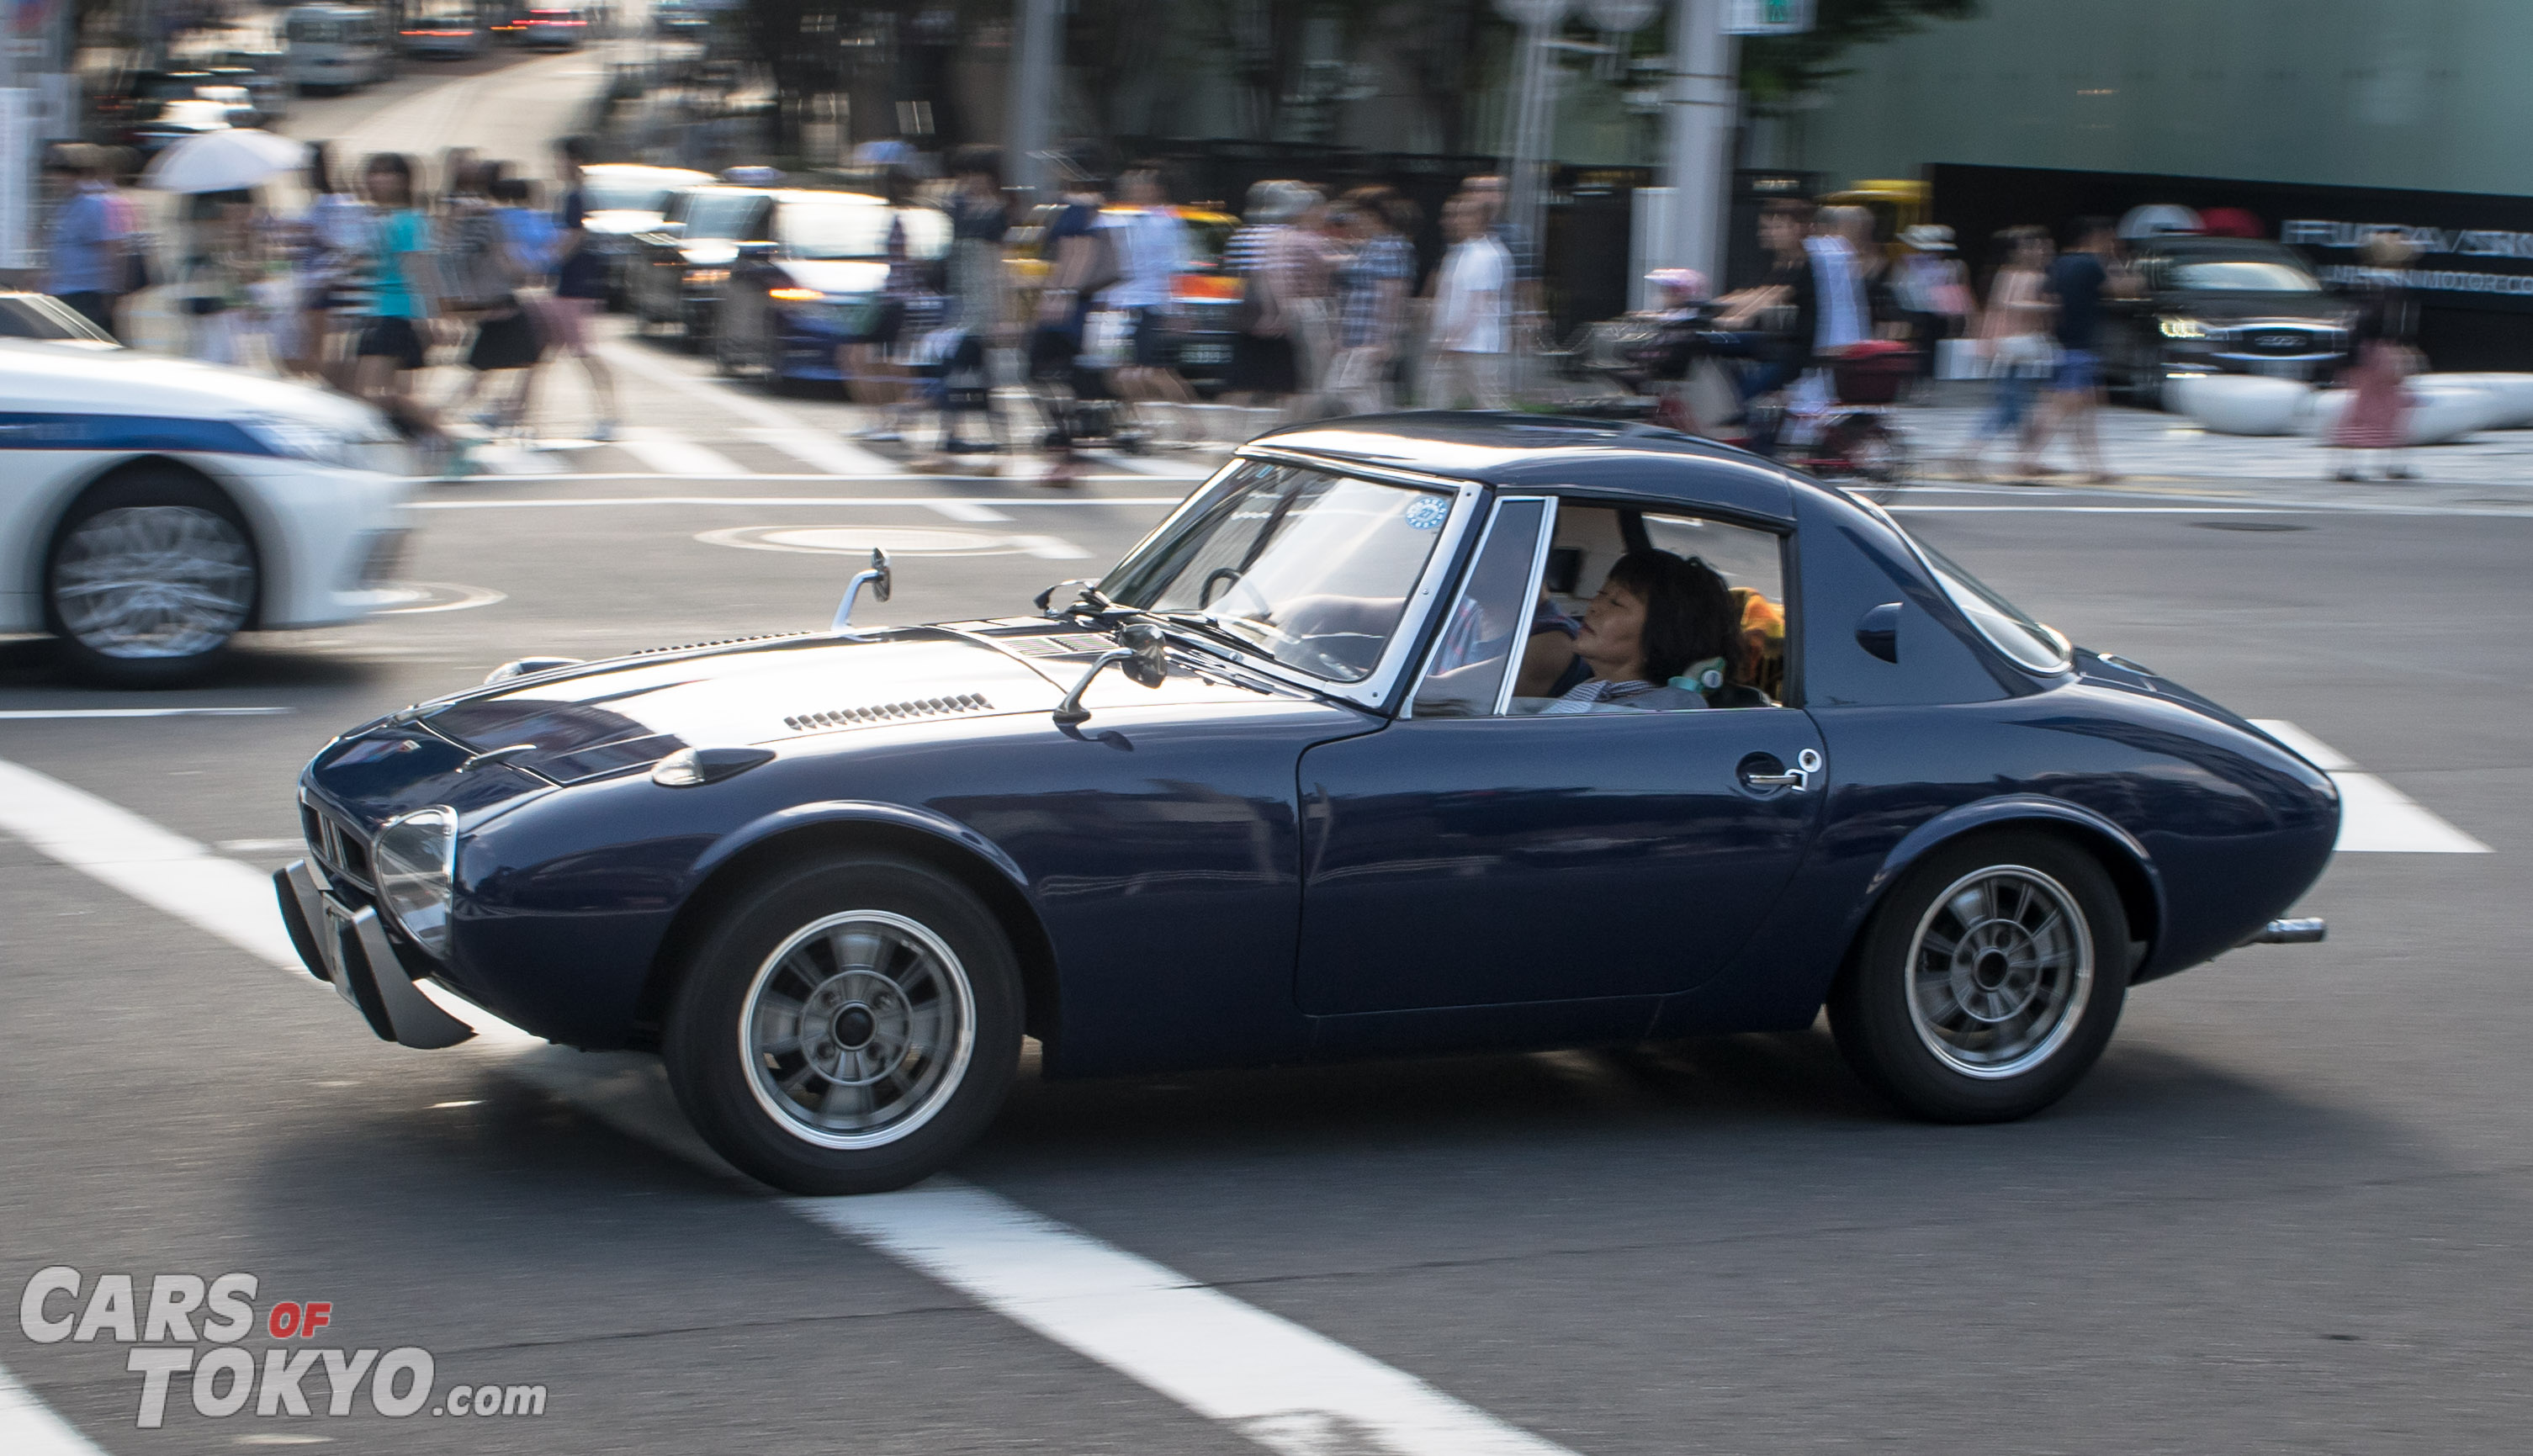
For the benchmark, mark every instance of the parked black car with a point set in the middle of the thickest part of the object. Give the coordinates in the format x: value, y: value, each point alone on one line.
x: 2221, y: 306
x: 677, y: 268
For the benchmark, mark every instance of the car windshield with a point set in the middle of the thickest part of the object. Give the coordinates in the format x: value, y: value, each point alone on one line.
x: 854, y: 226
x: 1311, y: 569
x: 2244, y: 275
x: 2007, y: 626
x: 604, y: 192
x: 718, y: 215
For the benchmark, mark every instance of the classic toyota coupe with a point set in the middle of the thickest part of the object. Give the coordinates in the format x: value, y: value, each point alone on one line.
x: 1403, y: 735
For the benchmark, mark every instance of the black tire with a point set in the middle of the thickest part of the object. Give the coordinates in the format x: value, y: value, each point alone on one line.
x: 1970, y: 1061
x: 183, y: 635
x: 730, y: 1070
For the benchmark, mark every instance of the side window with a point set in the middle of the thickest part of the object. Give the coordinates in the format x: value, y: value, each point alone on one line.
x: 1489, y: 622
x: 1654, y: 612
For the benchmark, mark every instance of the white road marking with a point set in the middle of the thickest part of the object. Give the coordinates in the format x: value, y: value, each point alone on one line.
x: 828, y: 452
x: 510, y: 459
x: 925, y: 502
x: 261, y: 846
x: 1050, y: 547
x: 29, y: 1426
x: 675, y: 454
x: 110, y: 843
x: 733, y: 401
x: 1287, y: 1388
x: 28, y: 714
x: 967, y: 510
x: 2374, y: 817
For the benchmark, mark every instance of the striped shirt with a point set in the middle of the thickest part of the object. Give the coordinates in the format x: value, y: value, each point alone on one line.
x: 1598, y: 695
x: 1359, y: 282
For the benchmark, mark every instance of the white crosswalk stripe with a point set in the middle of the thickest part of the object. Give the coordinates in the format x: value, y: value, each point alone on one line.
x: 2374, y: 816
x: 826, y: 452
x: 673, y: 455
x: 1286, y: 1387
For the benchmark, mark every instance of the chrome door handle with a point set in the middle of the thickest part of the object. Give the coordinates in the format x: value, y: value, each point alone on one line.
x: 1799, y: 778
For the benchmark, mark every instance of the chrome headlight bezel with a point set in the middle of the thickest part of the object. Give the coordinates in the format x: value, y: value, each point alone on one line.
x: 414, y: 860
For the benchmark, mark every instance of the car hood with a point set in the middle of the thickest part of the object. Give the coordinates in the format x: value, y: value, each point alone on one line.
x: 601, y: 719
x: 36, y: 375
x: 2255, y: 308
x: 837, y: 274
x: 619, y: 223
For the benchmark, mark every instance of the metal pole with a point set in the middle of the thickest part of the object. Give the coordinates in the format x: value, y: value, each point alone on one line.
x: 1037, y: 42
x: 1700, y: 107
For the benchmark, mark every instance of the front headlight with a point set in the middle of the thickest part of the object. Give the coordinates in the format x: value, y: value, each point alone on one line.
x: 378, y: 448
x: 2184, y: 328
x: 416, y: 858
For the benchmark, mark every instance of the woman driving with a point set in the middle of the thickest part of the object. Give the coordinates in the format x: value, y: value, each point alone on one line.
x: 1659, y: 628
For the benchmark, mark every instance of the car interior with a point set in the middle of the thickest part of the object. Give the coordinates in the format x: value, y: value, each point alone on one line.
x: 1467, y: 671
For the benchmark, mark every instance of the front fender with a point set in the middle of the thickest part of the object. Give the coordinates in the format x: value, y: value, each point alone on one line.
x: 855, y: 811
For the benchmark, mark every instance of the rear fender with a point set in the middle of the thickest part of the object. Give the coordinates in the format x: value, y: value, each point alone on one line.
x: 2131, y: 868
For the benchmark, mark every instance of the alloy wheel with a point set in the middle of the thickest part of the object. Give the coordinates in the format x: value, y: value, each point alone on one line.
x: 1998, y: 971
x: 857, y: 1030
x: 153, y: 581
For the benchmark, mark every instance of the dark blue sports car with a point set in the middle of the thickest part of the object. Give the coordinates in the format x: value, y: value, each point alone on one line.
x: 1416, y: 733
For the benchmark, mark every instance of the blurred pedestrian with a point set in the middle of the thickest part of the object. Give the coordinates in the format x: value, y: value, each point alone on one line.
x: 483, y: 275
x: 2377, y: 420
x: 2076, y: 283
x: 874, y: 375
x: 84, y: 248
x: 1372, y: 284
x: 221, y: 265
x: 1300, y: 266
x: 1843, y: 265
x: 2014, y: 344
x: 396, y: 338
x: 529, y: 233
x: 1152, y: 250
x: 971, y: 310
x: 1772, y: 324
x: 1080, y: 263
x: 1265, y: 371
x: 331, y: 244
x: 580, y: 284
x: 1465, y: 348
x: 1931, y: 292
x: 1528, y: 311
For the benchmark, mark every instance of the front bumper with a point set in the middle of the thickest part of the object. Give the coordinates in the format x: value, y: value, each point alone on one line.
x: 348, y: 947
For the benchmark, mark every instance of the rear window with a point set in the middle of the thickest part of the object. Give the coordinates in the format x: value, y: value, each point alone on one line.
x: 2007, y: 627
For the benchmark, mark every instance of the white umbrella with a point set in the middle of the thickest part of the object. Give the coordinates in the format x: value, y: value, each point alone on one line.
x: 228, y: 160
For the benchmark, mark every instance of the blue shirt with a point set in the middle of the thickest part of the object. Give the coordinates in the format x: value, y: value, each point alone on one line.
x: 531, y: 235
x: 80, y: 251
x: 408, y: 231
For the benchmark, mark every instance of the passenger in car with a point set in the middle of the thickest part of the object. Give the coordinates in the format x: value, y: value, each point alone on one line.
x: 1659, y: 624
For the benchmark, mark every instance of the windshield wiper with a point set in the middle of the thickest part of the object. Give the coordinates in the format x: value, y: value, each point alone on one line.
x: 1210, y: 626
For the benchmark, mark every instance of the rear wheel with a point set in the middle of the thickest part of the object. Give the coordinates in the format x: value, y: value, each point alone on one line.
x: 1988, y: 982
x: 847, y: 1027
x: 150, y: 577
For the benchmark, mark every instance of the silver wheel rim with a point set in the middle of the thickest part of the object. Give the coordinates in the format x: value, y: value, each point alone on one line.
x: 1999, y: 972
x: 857, y: 1030
x: 153, y: 581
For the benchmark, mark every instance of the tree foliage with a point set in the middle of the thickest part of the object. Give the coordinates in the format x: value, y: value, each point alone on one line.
x: 1778, y: 69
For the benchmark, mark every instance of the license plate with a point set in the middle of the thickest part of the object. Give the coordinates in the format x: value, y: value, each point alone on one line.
x: 1205, y: 354
x: 2291, y: 369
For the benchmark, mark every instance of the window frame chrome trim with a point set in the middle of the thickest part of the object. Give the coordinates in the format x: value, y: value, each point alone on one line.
x: 1547, y: 532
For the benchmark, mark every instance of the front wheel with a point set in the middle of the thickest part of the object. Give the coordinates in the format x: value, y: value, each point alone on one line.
x: 847, y: 1027
x: 1987, y: 982
x: 149, y: 578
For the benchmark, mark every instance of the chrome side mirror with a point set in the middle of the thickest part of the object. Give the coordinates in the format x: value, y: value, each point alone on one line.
x: 1141, y: 651
x: 879, y: 578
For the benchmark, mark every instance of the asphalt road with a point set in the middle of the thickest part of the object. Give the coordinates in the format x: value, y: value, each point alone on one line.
x: 2287, y: 1212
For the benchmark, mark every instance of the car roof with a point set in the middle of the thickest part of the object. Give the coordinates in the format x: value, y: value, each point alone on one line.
x: 2183, y: 246
x: 1555, y: 453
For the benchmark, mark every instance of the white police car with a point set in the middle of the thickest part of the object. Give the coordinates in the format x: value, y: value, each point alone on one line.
x: 152, y: 509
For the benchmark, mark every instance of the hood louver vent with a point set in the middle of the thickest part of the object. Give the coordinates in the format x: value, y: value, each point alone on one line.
x: 641, y: 652
x: 891, y: 711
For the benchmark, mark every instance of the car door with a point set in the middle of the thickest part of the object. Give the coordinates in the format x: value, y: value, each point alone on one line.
x: 1473, y: 853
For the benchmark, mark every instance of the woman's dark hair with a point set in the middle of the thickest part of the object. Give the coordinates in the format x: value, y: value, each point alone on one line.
x: 397, y: 163
x: 1689, y: 614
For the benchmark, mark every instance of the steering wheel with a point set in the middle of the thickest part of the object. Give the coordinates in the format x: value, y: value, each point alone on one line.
x: 1227, y: 575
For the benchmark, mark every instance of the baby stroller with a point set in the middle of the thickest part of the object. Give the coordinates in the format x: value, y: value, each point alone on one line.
x: 1855, y: 438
